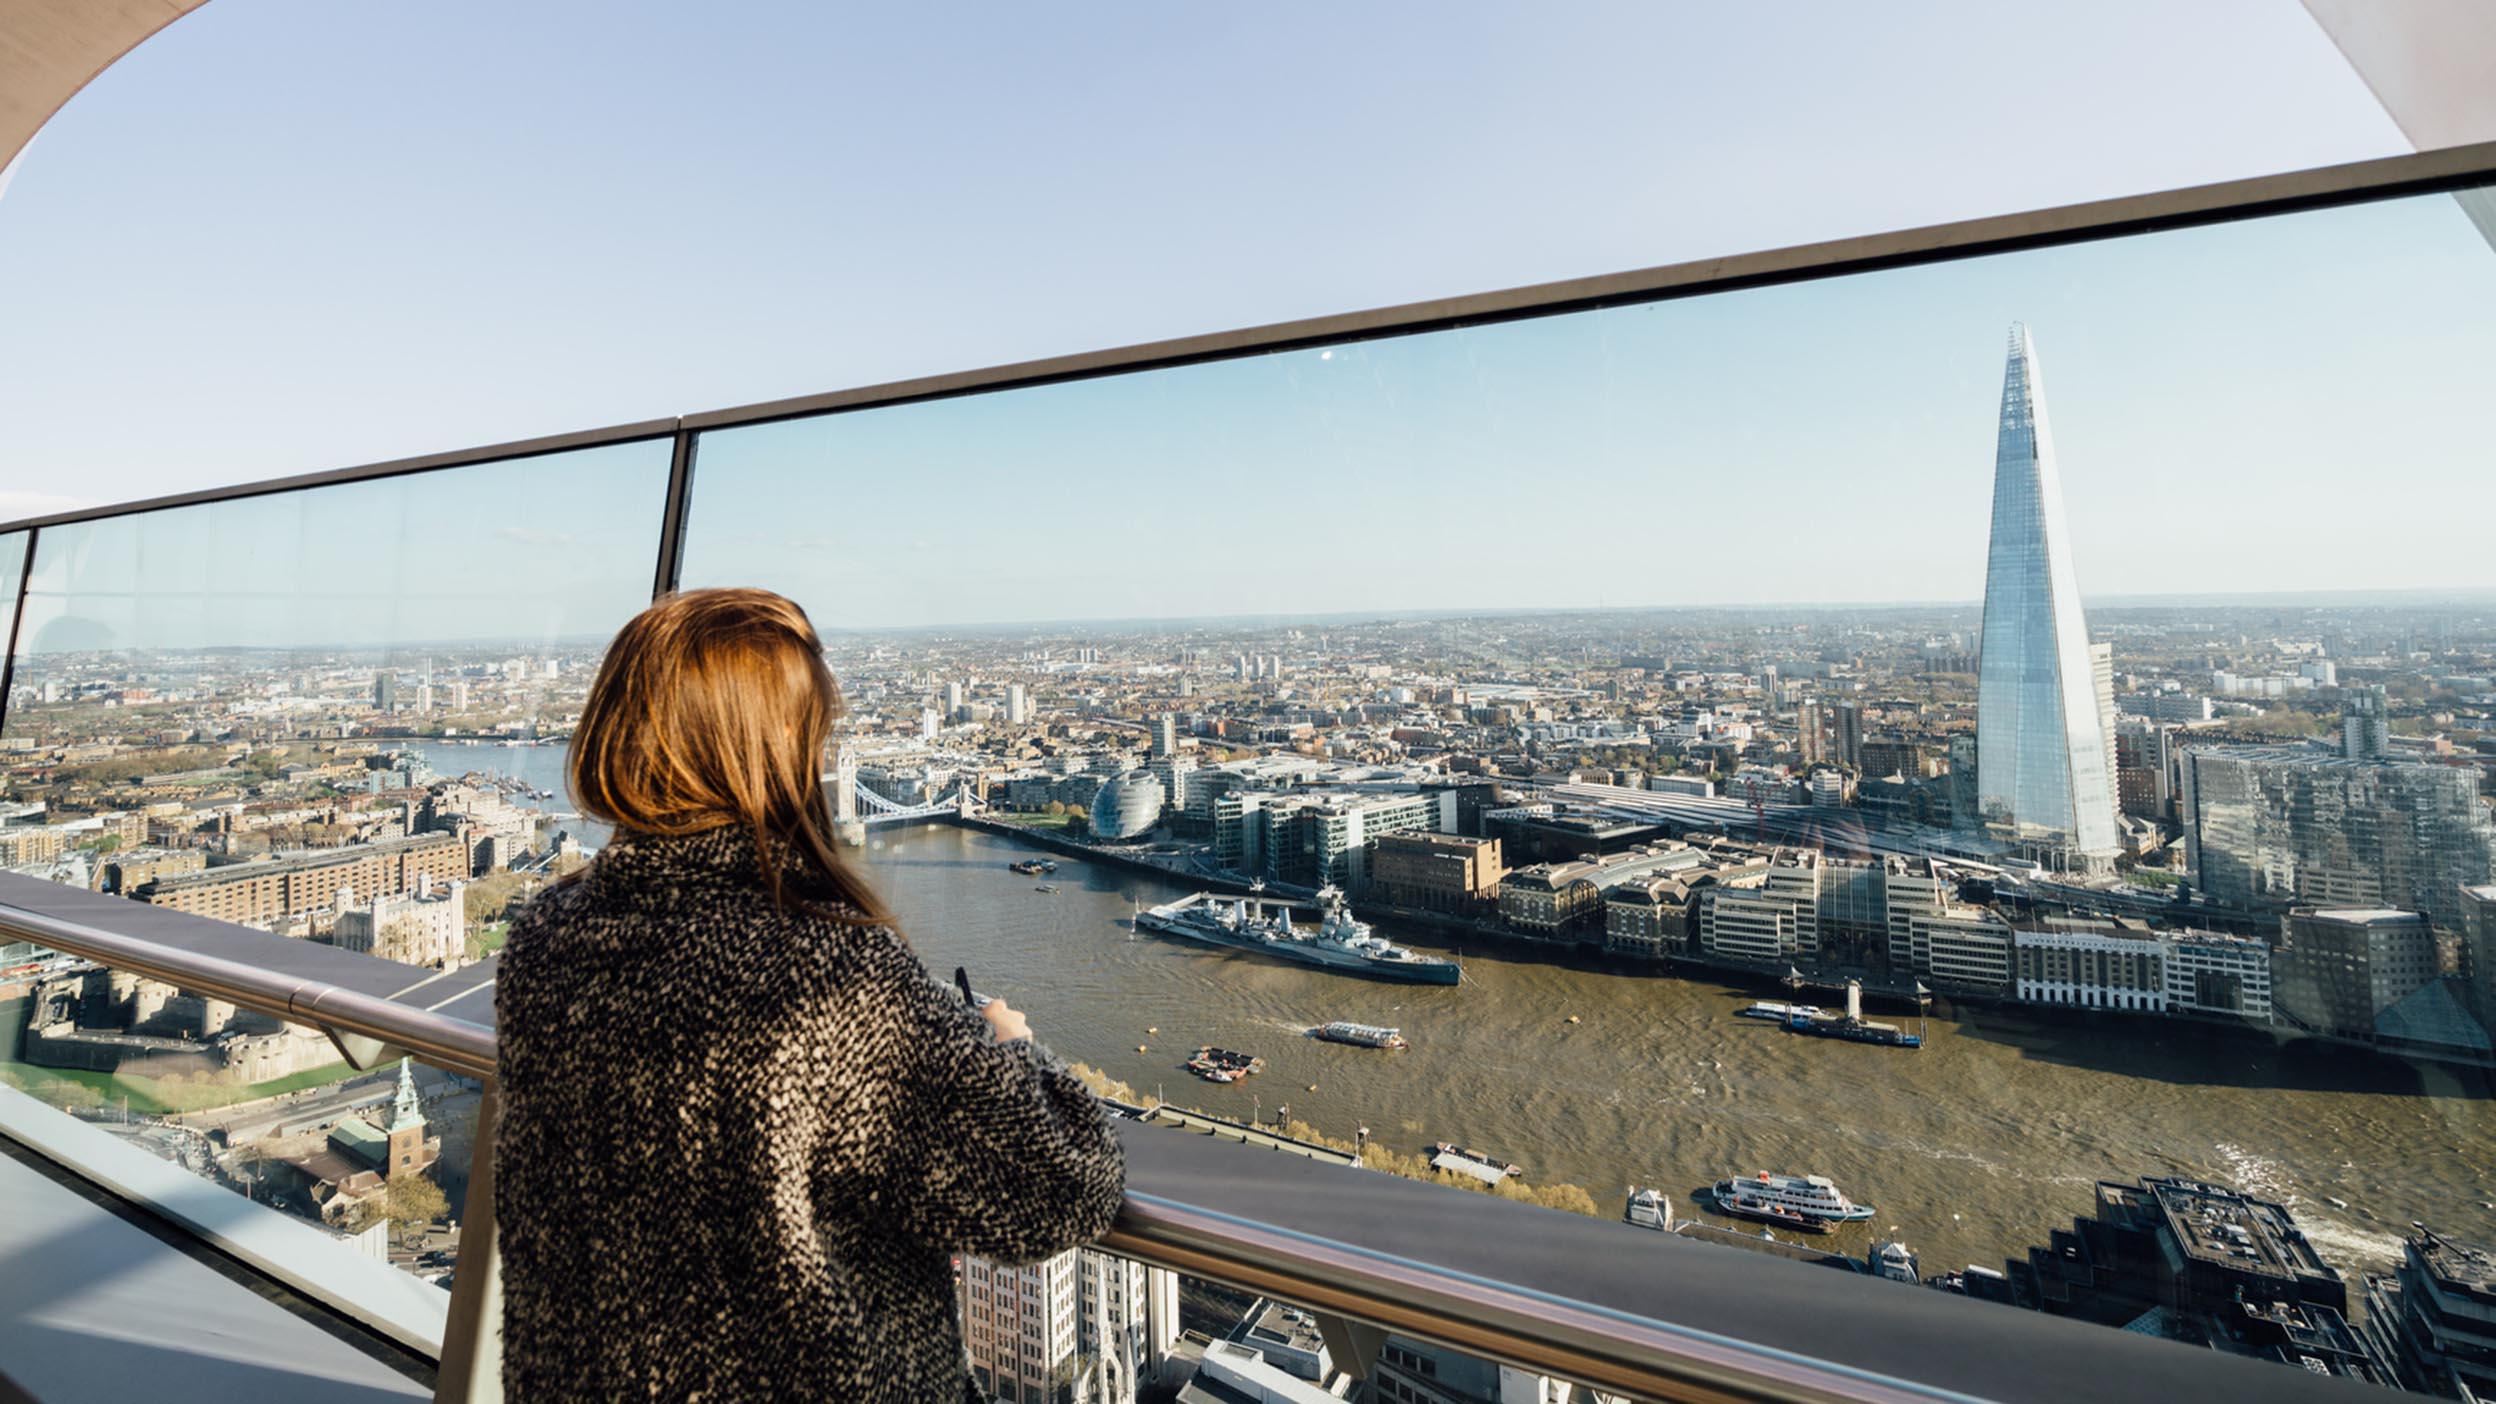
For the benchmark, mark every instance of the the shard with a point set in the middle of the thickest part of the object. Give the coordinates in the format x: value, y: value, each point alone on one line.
x: 2041, y: 742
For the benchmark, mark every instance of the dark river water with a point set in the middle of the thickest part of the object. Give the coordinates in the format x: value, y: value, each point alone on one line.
x: 1971, y: 1149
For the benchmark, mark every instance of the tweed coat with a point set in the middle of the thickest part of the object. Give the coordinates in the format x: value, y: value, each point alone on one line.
x: 740, y: 1145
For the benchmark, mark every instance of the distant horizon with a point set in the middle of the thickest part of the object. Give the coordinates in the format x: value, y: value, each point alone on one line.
x: 2412, y: 598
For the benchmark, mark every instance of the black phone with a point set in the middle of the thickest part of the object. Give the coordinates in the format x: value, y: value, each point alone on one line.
x: 962, y: 982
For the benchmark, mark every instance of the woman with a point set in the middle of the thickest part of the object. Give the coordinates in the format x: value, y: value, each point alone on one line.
x: 743, y: 1131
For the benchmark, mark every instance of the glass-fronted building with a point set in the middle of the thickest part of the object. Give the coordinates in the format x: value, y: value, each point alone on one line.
x: 2041, y: 769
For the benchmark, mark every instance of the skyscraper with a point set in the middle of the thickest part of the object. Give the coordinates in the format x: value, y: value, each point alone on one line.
x: 2041, y: 769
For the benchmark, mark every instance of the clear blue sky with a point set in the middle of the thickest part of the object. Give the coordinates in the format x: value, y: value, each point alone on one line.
x: 287, y: 236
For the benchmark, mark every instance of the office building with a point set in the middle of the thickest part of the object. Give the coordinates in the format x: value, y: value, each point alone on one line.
x: 2147, y: 769
x: 1019, y: 1326
x: 2168, y: 706
x: 2091, y: 965
x: 2266, y: 827
x: 385, y: 691
x: 1848, y: 717
x: 2478, y: 952
x: 1314, y: 840
x: 1126, y: 806
x: 1646, y: 918
x: 1776, y: 921
x: 1435, y: 872
x: 2434, y: 1320
x: 2366, y: 725
x: 2102, y: 676
x: 1174, y: 772
x: 2211, y: 973
x: 2205, y: 1265
x: 1552, y: 901
x: 1961, y: 948
x: 2042, y: 770
x: 2338, y: 972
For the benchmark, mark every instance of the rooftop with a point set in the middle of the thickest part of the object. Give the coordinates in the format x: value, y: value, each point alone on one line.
x: 2217, y: 1225
x: 2456, y: 1266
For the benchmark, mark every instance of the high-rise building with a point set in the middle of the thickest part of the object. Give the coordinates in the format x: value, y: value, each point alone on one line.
x: 1019, y: 1325
x: 1849, y: 717
x: 2268, y: 826
x: 2102, y: 672
x: 385, y: 691
x: 2366, y: 725
x: 1165, y: 735
x: 1017, y: 705
x: 1809, y: 746
x: 953, y: 701
x: 2145, y: 767
x: 2042, y: 769
x: 1079, y: 1326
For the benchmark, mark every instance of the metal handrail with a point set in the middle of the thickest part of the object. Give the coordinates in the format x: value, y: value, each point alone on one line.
x: 1551, y: 1335
x: 455, y: 1045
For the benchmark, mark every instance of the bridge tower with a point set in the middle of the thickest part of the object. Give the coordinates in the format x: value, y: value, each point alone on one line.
x: 845, y: 826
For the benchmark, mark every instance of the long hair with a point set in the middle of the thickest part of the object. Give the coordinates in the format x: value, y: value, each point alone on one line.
x: 713, y: 708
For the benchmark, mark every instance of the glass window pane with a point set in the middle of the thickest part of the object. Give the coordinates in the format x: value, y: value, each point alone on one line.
x: 1748, y: 590
x: 335, y: 714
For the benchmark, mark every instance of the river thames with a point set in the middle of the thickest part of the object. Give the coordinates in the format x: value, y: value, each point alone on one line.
x: 1971, y: 1149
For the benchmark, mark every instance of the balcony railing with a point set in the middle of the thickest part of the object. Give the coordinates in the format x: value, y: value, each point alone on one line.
x: 595, y: 521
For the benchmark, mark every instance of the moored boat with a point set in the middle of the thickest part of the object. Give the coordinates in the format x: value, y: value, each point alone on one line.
x: 1778, y: 1013
x: 1649, y: 1208
x: 1447, y: 1155
x: 1224, y: 1065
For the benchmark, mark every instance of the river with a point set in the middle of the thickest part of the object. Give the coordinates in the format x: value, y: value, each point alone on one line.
x: 1972, y: 1149
x: 539, y: 767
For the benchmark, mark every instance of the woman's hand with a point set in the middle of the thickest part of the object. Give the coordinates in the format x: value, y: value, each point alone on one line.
x: 1005, y: 1021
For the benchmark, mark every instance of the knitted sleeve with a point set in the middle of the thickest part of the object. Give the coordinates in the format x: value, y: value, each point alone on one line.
x: 1006, y: 1153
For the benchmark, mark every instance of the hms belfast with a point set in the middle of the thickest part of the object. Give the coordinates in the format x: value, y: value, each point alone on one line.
x: 1340, y: 942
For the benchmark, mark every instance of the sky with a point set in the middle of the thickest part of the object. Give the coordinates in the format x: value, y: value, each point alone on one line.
x: 286, y: 236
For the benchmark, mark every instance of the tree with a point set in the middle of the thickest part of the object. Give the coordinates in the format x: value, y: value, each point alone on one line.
x: 1053, y: 808
x: 402, y: 1200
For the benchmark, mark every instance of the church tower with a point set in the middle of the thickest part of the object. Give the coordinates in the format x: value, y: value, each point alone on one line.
x: 407, y: 1128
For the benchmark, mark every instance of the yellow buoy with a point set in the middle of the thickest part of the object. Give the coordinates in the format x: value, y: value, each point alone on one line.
x: 1139, y: 1048
x: 1312, y: 1086
x: 1152, y: 1031
x: 1572, y: 1018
